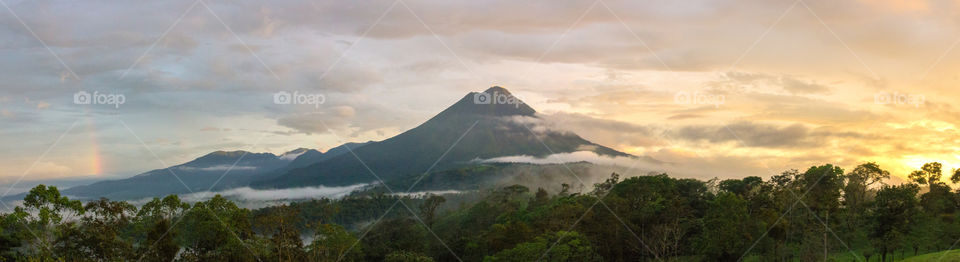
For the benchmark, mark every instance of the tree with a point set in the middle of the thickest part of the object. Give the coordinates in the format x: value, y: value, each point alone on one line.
x: 167, y: 208
x: 100, y: 235
x: 778, y: 225
x: 780, y: 219
x: 858, y: 183
x: 505, y: 235
x: 559, y: 246
x: 893, y: 210
x: 216, y: 229
x: 929, y: 174
x: 664, y: 209
x: 820, y: 188
x: 43, y: 210
x: 726, y: 220
x: 392, y: 235
x: 601, y: 189
x: 334, y: 243
x: 11, y: 230
x: 955, y: 178
x: 406, y: 256
x: 154, y: 222
x: 280, y: 226
x: 939, y: 201
x: 540, y: 198
x: 428, y: 208
x: 741, y: 187
x: 857, y: 198
x: 161, y: 243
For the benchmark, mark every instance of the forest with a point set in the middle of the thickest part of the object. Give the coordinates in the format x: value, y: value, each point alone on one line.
x: 822, y: 213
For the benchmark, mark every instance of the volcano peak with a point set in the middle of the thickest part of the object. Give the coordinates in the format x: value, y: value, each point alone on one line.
x: 495, y: 101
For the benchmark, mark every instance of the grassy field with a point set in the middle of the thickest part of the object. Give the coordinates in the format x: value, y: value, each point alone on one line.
x: 945, y: 256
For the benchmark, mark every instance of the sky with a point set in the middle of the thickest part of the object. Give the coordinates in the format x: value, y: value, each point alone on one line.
x: 721, y: 88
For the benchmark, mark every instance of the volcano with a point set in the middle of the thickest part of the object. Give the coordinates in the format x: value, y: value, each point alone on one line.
x: 481, y: 125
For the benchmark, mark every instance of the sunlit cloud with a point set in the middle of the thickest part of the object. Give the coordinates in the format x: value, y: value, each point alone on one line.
x: 763, y: 95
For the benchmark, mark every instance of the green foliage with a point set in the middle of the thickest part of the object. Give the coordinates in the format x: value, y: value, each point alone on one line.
x: 859, y: 182
x: 665, y: 209
x: 405, y: 256
x: 154, y: 224
x: 395, y: 234
x: 49, y: 205
x: 726, y: 219
x: 955, y: 178
x: 42, y: 212
x: 281, y: 227
x: 216, y: 229
x: 929, y: 174
x: 334, y: 243
x: 823, y: 184
x: 601, y: 189
x: 100, y: 234
x: 428, y: 208
x: 160, y: 242
x: 895, y: 207
x: 559, y: 246
x: 791, y: 216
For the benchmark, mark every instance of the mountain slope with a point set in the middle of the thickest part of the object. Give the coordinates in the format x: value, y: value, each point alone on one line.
x: 310, y: 157
x: 198, y: 174
x: 488, y: 130
x: 313, y: 156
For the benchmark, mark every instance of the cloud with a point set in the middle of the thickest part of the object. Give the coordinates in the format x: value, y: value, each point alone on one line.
x: 750, y: 134
x: 805, y: 109
x: 50, y: 169
x: 349, y: 119
x: 219, y: 168
x: 425, y: 193
x: 249, y: 194
x: 572, y: 157
x: 684, y: 116
x: 314, y: 122
x: 796, y: 86
x: 601, y: 131
x: 677, y: 164
x: 612, y: 77
x: 751, y: 82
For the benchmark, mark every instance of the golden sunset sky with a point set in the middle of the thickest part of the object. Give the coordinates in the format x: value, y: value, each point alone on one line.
x: 716, y: 88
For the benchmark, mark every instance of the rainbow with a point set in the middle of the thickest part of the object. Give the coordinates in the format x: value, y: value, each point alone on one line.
x: 96, y: 160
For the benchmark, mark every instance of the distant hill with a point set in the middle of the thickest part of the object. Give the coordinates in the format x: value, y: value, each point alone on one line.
x: 199, y: 174
x: 308, y: 158
x: 313, y: 156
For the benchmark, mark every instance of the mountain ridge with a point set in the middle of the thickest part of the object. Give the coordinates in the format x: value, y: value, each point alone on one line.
x: 200, y: 173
